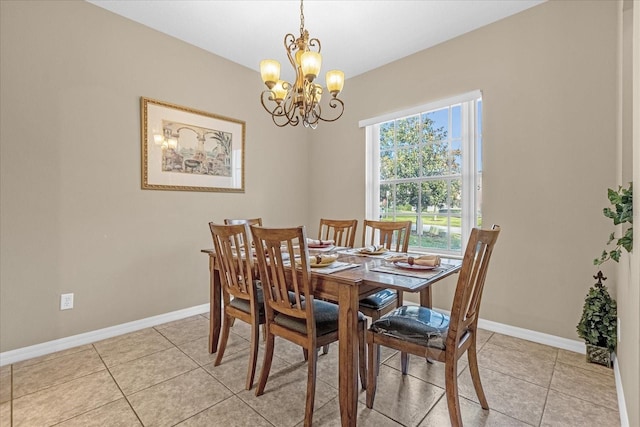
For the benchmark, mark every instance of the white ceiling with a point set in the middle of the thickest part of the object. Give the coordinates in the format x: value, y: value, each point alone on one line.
x: 356, y: 36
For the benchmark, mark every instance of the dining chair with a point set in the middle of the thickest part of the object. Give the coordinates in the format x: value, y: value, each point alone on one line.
x: 242, y: 294
x: 393, y: 235
x: 303, y: 320
x: 425, y: 332
x: 341, y: 231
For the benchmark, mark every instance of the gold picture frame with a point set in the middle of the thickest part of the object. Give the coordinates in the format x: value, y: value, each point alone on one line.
x: 190, y: 150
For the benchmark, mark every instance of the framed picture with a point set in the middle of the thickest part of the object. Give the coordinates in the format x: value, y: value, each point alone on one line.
x: 190, y: 150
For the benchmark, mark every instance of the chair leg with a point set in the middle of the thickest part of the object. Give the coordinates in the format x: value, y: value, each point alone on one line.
x: 372, y: 375
x: 472, y: 355
x: 253, y: 355
x: 451, y: 390
x: 305, y: 353
x: 404, y: 362
x: 362, y: 328
x: 227, y: 323
x: 264, y: 332
x: 266, y: 363
x: 375, y: 316
x: 325, y: 349
x: 311, y: 388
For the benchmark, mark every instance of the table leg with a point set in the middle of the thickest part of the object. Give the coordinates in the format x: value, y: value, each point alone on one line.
x: 425, y: 301
x: 425, y: 297
x: 215, y: 315
x: 348, y: 354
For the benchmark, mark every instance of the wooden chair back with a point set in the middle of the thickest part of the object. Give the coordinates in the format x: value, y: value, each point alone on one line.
x: 249, y: 222
x: 342, y: 231
x: 233, y: 255
x: 468, y: 294
x: 393, y: 235
x: 284, y: 292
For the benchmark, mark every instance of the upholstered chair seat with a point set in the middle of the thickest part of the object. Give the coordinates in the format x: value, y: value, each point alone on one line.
x: 416, y: 324
x: 242, y: 304
x: 326, y: 318
x: 380, y: 300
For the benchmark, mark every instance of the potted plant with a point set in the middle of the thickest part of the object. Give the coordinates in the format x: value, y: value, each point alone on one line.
x: 598, y: 325
x: 622, y: 200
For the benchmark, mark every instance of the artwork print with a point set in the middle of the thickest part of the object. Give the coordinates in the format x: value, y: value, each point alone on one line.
x: 187, y: 149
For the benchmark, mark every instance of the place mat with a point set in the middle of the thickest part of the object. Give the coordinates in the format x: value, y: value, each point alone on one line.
x: 334, y: 267
x: 356, y: 251
x: 422, y: 274
x: 325, y: 249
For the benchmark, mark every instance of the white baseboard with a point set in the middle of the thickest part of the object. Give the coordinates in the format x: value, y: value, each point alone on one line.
x: 622, y: 406
x: 529, y: 335
x: 30, y: 352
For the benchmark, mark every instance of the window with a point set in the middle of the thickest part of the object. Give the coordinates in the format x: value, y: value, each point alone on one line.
x: 425, y: 164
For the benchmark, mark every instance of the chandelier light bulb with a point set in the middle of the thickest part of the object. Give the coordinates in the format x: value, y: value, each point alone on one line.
x: 270, y: 72
x: 335, y: 82
x: 310, y: 63
x: 279, y: 91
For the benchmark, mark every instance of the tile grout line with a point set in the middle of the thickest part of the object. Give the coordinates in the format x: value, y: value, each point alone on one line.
x: 546, y: 397
x: 118, y: 385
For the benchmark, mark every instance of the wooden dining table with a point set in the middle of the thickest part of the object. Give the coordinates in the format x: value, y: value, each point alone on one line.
x: 366, y: 276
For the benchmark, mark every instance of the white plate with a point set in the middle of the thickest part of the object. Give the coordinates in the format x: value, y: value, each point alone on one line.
x: 378, y: 252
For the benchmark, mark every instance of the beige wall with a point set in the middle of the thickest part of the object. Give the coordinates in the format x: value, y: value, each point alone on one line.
x: 548, y: 77
x: 74, y: 219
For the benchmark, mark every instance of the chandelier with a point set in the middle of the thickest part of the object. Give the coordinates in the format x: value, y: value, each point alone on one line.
x: 289, y: 104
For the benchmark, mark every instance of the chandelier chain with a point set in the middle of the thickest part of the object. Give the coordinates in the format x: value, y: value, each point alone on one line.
x: 301, y: 18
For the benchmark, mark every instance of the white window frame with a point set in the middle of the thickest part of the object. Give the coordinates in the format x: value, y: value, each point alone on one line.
x: 471, y: 186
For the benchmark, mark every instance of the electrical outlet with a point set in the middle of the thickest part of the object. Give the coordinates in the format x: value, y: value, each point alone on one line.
x: 66, y: 301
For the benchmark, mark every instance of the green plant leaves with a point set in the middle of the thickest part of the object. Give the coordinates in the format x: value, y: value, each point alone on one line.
x: 598, y: 325
x: 622, y: 200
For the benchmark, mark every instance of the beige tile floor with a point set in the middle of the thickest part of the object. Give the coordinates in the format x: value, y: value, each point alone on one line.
x: 164, y: 376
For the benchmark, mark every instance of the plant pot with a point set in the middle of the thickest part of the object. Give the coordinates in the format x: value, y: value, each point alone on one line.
x: 599, y: 355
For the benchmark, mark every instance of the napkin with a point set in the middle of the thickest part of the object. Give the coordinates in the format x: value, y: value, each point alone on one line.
x: 425, y: 260
x: 313, y: 243
x: 322, y: 259
x: 373, y: 249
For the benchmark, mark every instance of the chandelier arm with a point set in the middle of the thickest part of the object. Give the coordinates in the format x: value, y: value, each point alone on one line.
x: 290, y: 45
x: 334, y: 103
x: 290, y: 108
x: 315, y: 43
x: 314, y: 116
x: 283, y: 113
x: 270, y: 96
